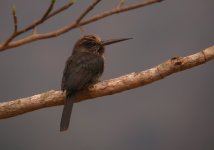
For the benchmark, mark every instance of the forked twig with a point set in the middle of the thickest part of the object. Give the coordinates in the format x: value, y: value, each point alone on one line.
x: 48, y: 10
x: 87, y: 11
x: 61, y: 9
x: 47, y: 15
x: 73, y: 25
x: 32, y: 26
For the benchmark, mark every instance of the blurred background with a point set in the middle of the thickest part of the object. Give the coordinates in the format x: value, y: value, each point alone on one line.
x: 172, y: 114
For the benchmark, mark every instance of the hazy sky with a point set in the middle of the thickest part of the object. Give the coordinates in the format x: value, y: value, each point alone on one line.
x: 172, y: 114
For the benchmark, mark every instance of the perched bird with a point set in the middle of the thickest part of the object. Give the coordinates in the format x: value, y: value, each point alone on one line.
x: 83, y: 68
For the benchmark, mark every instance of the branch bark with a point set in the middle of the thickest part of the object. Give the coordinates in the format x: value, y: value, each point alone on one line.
x: 108, y: 87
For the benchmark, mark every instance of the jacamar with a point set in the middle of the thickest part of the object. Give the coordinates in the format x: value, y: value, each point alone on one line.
x: 83, y: 69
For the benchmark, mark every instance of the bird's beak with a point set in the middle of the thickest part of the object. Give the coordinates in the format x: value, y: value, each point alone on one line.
x: 108, y: 42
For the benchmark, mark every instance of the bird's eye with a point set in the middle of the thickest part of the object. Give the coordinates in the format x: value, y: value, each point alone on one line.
x: 90, y: 44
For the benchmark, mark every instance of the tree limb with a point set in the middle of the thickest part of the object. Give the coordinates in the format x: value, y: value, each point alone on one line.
x: 46, y: 16
x: 71, y: 26
x: 108, y: 87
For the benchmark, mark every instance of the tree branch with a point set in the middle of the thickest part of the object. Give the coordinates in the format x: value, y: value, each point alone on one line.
x: 15, y: 21
x: 73, y: 25
x: 46, y: 16
x: 87, y: 11
x: 15, y: 24
x: 108, y: 87
x: 50, y: 8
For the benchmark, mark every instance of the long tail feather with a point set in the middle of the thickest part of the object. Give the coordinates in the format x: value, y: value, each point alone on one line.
x: 66, y: 114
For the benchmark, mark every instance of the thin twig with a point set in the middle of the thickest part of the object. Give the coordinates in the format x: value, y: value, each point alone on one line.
x: 15, y: 29
x: 15, y: 20
x: 49, y: 15
x: 59, y: 10
x: 32, y: 26
x: 48, y: 10
x: 87, y: 11
x: 40, y: 21
x: 90, y: 7
x: 121, y: 3
x: 109, y: 87
x: 118, y: 10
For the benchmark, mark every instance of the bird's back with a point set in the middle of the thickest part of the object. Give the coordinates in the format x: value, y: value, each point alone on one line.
x: 81, y: 70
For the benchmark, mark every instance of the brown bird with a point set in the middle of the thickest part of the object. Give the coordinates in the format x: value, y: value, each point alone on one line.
x: 83, y: 68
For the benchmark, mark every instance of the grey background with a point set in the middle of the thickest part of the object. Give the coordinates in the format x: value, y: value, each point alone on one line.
x: 172, y: 114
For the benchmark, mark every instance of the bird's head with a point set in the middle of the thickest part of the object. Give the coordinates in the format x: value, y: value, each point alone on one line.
x: 94, y: 44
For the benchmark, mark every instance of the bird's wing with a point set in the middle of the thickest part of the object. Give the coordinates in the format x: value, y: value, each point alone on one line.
x: 81, y: 69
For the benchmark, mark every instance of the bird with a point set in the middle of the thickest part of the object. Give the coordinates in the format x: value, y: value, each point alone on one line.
x: 82, y: 69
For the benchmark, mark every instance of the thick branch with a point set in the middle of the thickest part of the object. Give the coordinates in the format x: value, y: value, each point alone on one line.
x: 109, y: 87
x: 75, y: 24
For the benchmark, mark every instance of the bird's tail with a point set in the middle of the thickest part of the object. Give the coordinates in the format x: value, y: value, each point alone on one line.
x: 66, y: 113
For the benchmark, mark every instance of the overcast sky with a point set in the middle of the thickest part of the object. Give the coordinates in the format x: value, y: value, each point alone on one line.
x: 172, y: 114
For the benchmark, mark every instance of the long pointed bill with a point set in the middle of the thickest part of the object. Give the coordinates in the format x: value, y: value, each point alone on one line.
x: 108, y: 42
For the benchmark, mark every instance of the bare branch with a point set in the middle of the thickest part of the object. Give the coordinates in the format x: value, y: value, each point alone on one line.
x: 15, y: 24
x: 119, y: 10
x: 61, y: 9
x: 109, y: 87
x: 48, y: 10
x: 87, y: 11
x: 15, y: 19
x: 46, y: 16
x: 75, y: 24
